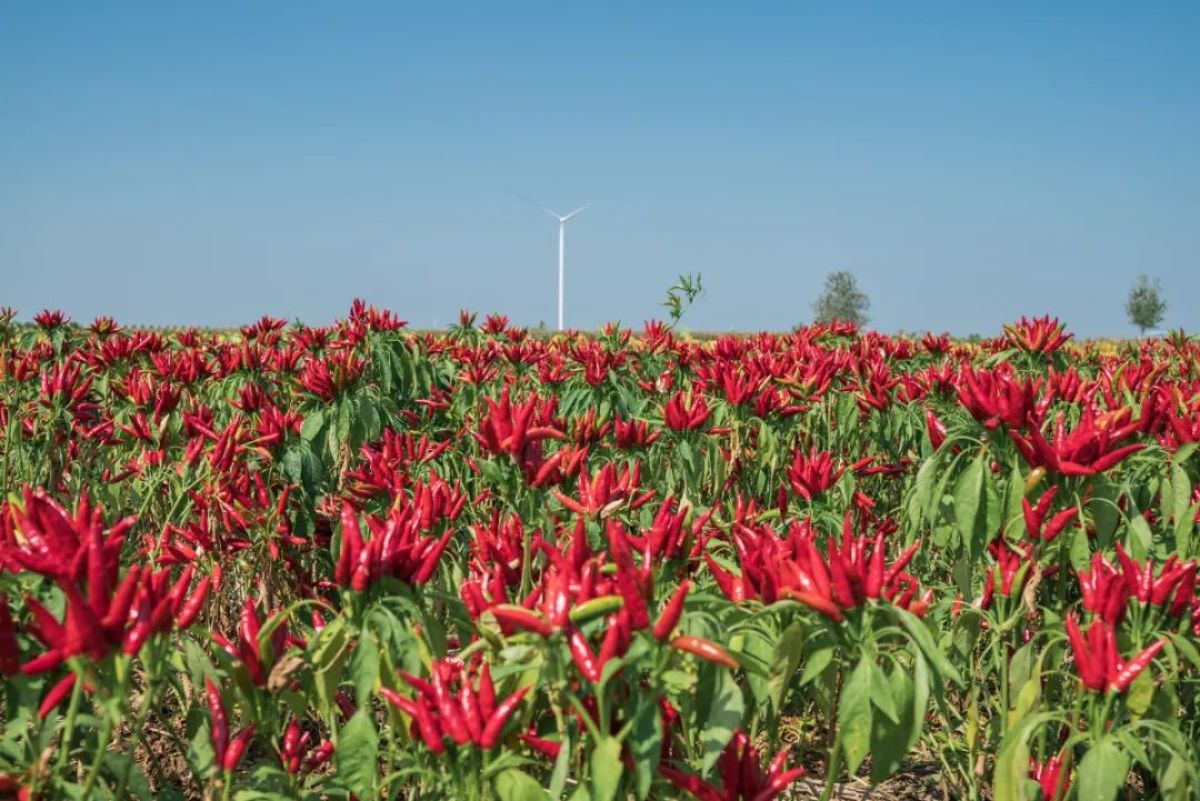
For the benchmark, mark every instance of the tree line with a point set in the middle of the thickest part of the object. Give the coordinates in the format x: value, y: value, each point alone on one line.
x: 842, y: 300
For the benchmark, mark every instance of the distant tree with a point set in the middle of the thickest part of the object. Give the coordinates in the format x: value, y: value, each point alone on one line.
x: 1145, y: 306
x: 842, y: 300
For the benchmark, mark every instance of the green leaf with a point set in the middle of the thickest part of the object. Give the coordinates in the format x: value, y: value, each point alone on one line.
x: 364, y: 668
x: 345, y: 419
x: 854, y: 715
x: 1103, y: 508
x: 1184, y: 453
x: 645, y: 744
x: 1102, y: 771
x: 562, y: 767
x: 1141, y: 539
x: 1027, y: 698
x: 890, y: 739
x: 606, y: 769
x: 515, y: 785
x: 357, y: 754
x: 881, y: 694
x: 329, y: 651
x: 724, y: 715
x: 788, y: 650
x: 1140, y: 694
x: 818, y: 660
x: 926, y: 486
x: 138, y: 786
x: 1080, y: 552
x: 1014, y: 492
x: 1181, y: 507
x: 312, y: 425
x: 920, y: 635
x: 971, y: 506
x: 200, y: 755
x: 1011, y: 773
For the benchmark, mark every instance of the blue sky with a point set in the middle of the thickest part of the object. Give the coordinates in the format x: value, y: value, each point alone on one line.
x: 207, y: 163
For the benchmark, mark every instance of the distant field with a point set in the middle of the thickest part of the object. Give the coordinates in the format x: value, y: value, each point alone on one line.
x: 361, y: 561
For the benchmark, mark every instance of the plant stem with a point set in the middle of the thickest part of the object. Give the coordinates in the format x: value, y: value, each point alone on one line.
x: 98, y: 760
x: 834, y: 766
x: 69, y: 733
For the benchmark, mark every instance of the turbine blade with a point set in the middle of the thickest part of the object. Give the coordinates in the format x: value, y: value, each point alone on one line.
x: 534, y: 203
x: 572, y: 214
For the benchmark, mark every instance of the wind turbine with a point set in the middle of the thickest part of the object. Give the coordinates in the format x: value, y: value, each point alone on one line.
x: 562, y: 248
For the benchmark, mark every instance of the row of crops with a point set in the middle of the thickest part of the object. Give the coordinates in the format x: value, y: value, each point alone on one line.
x: 362, y: 562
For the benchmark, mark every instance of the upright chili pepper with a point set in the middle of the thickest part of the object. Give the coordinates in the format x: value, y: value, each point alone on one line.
x: 581, y: 654
x: 671, y: 613
x: 10, y: 654
x: 495, y: 724
x: 487, y: 692
x: 626, y: 578
x: 191, y: 608
x: 233, y: 756
x: 58, y: 693
x: 448, y: 711
x: 219, y: 723
x: 1099, y: 663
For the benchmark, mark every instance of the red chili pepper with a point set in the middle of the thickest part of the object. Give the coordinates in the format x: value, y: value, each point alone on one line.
x: 693, y: 785
x: 936, y: 428
x: 136, y: 637
x: 220, y: 724
x: 705, y: 649
x: 726, y: 582
x: 778, y: 784
x: 122, y: 601
x: 487, y: 693
x: 469, y: 704
x: 180, y: 587
x: 420, y: 685
x: 901, y: 562
x: 291, y: 743
x: 10, y: 654
x: 547, y: 748
x: 874, y: 580
x: 669, y: 618
x: 1132, y: 669
x: 352, y: 544
x: 581, y: 654
x: 626, y: 578
x: 40, y: 664
x: 448, y: 712
x: 431, y: 732
x: 324, y: 752
x: 495, y: 724
x: 843, y: 589
x: 815, y: 602
x: 194, y: 604
x: 522, y: 619
x: 57, y: 695
x: 233, y: 755
x: 430, y: 561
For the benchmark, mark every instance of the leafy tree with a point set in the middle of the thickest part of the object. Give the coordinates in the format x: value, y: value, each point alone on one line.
x: 842, y: 300
x: 1145, y: 306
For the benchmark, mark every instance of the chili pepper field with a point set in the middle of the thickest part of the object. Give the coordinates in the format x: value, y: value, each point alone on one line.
x: 360, y: 561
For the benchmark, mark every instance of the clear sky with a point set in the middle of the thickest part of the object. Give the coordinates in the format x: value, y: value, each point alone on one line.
x: 206, y: 163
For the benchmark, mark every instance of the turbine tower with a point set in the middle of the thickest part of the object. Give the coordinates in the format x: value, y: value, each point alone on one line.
x: 562, y: 248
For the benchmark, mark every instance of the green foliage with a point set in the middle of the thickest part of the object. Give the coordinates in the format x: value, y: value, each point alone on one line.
x: 1145, y: 306
x: 841, y: 300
